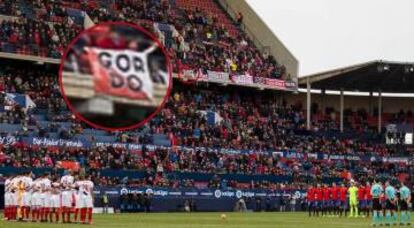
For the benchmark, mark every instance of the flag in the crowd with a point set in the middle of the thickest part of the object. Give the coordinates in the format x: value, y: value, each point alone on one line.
x: 68, y: 165
x: 21, y: 99
x: 121, y: 73
x: 212, y: 118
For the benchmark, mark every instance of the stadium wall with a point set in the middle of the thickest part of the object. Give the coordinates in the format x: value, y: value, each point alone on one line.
x: 261, y: 34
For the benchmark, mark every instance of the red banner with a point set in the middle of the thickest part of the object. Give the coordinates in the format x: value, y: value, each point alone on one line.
x: 275, y: 83
x: 71, y: 165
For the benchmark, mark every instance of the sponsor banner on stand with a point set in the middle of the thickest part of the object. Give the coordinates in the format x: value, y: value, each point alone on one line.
x: 275, y: 83
x: 129, y: 146
x: 242, y: 79
x: 57, y: 142
x: 8, y: 140
x: 216, y: 76
x: 291, y: 85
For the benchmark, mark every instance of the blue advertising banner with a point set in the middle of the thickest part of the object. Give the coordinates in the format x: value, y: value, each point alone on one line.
x: 193, y: 192
x: 8, y: 140
x: 167, y: 199
x: 57, y: 142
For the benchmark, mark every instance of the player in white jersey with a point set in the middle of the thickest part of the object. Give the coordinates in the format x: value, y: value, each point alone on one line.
x: 27, y: 195
x: 8, y: 204
x: 36, y: 201
x: 55, y: 200
x: 67, y: 182
x: 45, y: 187
x: 15, y: 196
x: 85, y: 198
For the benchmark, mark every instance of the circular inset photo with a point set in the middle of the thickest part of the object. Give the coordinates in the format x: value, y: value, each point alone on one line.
x: 115, y: 76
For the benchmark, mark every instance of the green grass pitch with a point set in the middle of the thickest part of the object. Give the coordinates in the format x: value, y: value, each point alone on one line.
x: 210, y: 220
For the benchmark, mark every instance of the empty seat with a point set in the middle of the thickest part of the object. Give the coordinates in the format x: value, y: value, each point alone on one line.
x: 10, y: 127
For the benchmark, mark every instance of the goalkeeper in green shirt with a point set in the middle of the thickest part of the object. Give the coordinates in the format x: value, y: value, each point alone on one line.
x: 353, y: 200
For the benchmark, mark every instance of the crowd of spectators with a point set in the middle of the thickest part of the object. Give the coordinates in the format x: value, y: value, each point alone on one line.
x: 249, y: 121
x: 195, y: 38
x: 162, y: 162
x: 36, y: 37
x: 40, y: 27
x: 47, y: 10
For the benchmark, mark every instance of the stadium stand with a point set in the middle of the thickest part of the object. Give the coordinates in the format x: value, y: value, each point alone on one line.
x: 251, y: 122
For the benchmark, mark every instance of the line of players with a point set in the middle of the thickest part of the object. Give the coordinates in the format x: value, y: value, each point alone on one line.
x: 47, y: 197
x: 384, y: 201
x: 333, y: 201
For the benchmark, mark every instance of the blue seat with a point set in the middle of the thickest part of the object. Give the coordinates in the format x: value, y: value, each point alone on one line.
x: 40, y: 117
x: 101, y: 138
x: 89, y: 131
x: 159, y: 137
x: 10, y: 127
x: 162, y: 142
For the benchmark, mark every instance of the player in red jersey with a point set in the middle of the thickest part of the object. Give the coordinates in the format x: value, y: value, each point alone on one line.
x: 368, y: 198
x: 318, y: 199
x: 335, y: 200
x: 310, y: 197
x: 326, y: 199
x: 343, y: 190
x: 361, y: 199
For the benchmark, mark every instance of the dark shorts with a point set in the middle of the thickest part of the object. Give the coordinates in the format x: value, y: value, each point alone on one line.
x: 403, y: 205
x: 343, y: 204
x: 389, y: 205
x: 337, y: 203
x: 327, y: 203
x: 363, y: 204
x: 316, y: 204
x: 376, y: 205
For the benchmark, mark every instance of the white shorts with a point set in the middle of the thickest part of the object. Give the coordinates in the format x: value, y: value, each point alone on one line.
x: 66, y: 199
x: 54, y: 201
x: 78, y: 203
x: 36, y: 199
x: 84, y: 201
x: 12, y: 199
x: 26, y: 199
x: 6, y: 199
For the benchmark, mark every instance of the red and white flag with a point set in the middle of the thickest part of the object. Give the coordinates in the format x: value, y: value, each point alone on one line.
x: 122, y: 73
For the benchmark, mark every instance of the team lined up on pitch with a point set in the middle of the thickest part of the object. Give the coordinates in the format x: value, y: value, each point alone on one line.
x: 389, y: 205
x: 48, y: 198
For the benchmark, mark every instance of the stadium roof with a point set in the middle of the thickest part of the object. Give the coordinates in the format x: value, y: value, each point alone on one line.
x: 374, y: 76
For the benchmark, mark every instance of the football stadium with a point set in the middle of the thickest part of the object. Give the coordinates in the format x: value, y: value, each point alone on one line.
x: 226, y: 130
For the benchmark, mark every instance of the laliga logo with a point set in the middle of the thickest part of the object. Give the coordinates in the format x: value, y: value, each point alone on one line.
x: 239, y: 194
x: 217, y: 193
x: 124, y: 191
